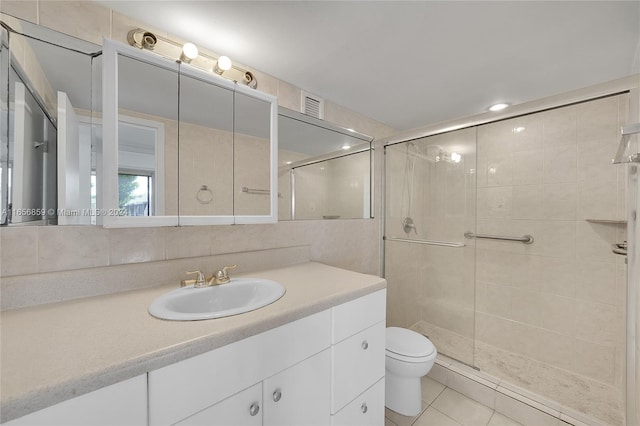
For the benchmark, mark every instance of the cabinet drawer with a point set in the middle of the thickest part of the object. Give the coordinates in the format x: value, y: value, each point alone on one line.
x: 184, y: 388
x: 367, y: 409
x: 358, y: 363
x: 352, y: 317
x: 242, y: 409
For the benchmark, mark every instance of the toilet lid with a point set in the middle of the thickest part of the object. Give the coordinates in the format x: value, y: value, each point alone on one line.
x: 408, y: 343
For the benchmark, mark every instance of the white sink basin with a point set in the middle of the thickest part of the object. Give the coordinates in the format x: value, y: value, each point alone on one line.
x: 236, y: 297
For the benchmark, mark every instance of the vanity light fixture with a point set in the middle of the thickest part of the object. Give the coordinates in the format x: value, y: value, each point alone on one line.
x: 188, y: 53
x: 498, y: 107
x: 222, y: 64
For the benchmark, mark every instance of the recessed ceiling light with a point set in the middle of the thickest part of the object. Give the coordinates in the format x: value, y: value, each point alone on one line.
x: 345, y: 147
x: 497, y: 107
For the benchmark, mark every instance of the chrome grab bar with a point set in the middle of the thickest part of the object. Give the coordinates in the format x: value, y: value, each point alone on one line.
x: 255, y: 191
x: 526, y: 239
x: 258, y: 191
x: 426, y: 242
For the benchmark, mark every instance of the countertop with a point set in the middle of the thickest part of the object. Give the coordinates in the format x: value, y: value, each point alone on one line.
x: 51, y: 353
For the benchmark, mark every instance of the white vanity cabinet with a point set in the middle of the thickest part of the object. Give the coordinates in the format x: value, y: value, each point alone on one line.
x: 358, y: 358
x: 124, y: 403
x: 298, y: 395
x: 327, y: 368
x: 293, y: 358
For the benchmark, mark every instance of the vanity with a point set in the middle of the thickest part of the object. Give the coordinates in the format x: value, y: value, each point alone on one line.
x: 315, y: 356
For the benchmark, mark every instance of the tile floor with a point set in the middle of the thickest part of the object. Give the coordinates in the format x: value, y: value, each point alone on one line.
x: 442, y: 406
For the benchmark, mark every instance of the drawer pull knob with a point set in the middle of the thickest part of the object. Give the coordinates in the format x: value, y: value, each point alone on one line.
x: 277, y: 395
x: 254, y: 409
x: 365, y: 345
x: 364, y: 408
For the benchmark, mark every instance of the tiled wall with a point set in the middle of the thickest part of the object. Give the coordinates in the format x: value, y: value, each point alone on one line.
x: 34, y: 256
x: 560, y: 301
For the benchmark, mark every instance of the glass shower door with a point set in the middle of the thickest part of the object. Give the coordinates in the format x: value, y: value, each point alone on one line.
x: 429, y: 265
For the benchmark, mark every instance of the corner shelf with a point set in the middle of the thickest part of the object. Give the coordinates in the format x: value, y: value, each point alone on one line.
x: 609, y: 221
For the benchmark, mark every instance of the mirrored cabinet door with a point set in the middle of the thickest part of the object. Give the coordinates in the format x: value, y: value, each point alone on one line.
x: 255, y: 151
x: 205, y: 150
x: 140, y: 179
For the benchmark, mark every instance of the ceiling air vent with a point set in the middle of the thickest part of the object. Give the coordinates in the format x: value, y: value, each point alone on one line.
x: 312, y: 105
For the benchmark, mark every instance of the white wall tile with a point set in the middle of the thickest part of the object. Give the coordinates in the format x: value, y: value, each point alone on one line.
x: 18, y: 249
x: 72, y: 247
x: 596, y: 281
x: 23, y: 9
x: 560, y: 164
x: 560, y: 201
x: 136, y: 245
x: 598, y: 119
x: 560, y: 127
x: 528, y: 202
x: 83, y: 19
x: 494, y: 202
x: 527, y: 167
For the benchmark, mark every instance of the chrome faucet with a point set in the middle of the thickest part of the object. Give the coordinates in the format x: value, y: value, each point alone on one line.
x: 219, y: 277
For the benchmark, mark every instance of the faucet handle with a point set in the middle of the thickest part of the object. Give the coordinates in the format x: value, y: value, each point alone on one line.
x: 199, y: 280
x: 222, y: 276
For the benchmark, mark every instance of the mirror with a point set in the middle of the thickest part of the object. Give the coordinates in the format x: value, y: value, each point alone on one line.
x: 253, y: 155
x: 325, y: 171
x: 46, y: 159
x: 142, y: 182
x: 190, y: 147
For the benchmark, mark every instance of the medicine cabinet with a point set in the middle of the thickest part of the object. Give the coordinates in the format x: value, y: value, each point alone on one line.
x: 181, y: 146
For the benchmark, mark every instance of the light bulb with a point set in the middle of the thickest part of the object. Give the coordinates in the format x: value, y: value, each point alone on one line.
x: 223, y: 64
x: 189, y: 52
x: 455, y: 157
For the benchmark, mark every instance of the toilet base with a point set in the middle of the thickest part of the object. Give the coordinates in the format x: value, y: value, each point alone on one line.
x: 403, y: 394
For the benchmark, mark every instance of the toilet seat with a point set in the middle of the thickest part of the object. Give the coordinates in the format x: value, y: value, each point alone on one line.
x: 407, y: 345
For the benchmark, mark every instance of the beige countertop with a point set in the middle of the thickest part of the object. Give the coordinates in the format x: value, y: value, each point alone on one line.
x: 51, y: 353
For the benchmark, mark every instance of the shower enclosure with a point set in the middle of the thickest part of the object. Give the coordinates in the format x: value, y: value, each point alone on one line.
x: 498, y: 248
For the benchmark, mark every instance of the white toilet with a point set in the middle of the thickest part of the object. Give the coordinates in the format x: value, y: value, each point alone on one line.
x: 409, y: 356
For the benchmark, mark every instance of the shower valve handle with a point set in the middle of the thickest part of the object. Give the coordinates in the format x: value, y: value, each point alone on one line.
x: 408, y: 225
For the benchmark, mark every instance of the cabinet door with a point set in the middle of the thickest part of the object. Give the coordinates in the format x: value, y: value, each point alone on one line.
x: 366, y: 410
x: 241, y: 409
x: 299, y: 395
x: 124, y: 403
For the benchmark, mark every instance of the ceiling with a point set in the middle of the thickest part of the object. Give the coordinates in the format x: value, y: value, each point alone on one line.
x: 410, y: 64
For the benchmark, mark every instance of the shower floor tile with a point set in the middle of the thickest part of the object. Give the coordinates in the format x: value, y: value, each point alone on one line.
x: 442, y: 406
